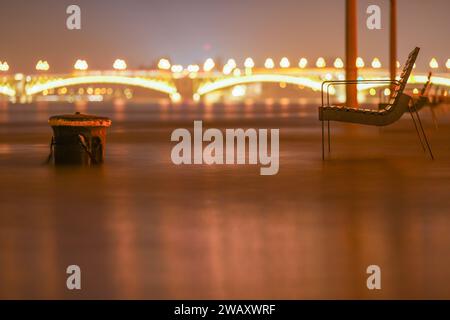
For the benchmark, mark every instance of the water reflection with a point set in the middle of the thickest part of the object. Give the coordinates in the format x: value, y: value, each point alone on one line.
x: 141, y: 227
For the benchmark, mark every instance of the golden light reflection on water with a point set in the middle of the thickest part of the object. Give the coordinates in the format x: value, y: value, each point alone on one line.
x: 141, y: 227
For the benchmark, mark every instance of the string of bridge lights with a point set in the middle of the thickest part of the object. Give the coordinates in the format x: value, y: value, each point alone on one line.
x: 230, y: 66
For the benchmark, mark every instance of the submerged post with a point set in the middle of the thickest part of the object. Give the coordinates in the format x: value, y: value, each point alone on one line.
x: 393, y: 39
x: 351, y: 51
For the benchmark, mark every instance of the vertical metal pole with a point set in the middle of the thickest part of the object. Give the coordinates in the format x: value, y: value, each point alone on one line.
x: 351, y: 51
x: 393, y: 40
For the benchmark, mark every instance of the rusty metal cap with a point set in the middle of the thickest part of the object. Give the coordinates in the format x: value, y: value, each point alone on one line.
x: 79, y: 120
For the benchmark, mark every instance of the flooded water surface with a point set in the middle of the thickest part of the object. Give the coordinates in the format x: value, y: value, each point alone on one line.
x: 141, y: 227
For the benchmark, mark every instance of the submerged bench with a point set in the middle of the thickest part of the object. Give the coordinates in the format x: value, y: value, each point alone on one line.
x: 399, y: 103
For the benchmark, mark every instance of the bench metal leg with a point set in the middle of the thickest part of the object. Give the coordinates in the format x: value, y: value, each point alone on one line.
x: 424, y: 134
x: 323, y: 142
x: 411, y: 112
x: 329, y: 139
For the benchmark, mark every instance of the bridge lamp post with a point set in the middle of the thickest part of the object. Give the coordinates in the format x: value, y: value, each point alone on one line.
x: 284, y: 63
x: 269, y: 64
x: 4, y: 66
x: 320, y: 63
x: 434, y: 64
x: 360, y: 62
x: 209, y: 65
x: 120, y: 64
x: 164, y: 64
x: 376, y: 64
x: 80, y: 65
x: 231, y: 63
x: 249, y: 64
x: 338, y: 63
x: 303, y: 63
x: 42, y: 66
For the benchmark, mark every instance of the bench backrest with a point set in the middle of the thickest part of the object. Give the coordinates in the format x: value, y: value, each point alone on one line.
x: 404, y: 76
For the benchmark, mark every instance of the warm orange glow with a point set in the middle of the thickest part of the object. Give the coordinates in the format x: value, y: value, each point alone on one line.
x: 320, y: 63
x: 434, y: 64
x: 269, y: 64
x: 338, y: 63
x: 120, y: 64
x: 164, y: 64
x: 42, y: 66
x: 80, y: 65
x: 284, y: 62
x: 249, y: 63
x: 376, y: 64
x: 303, y: 63
x: 209, y: 65
x: 359, y: 62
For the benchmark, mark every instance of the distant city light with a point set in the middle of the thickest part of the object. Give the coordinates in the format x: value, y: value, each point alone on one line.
x: 303, y: 63
x: 359, y: 62
x: 320, y: 63
x: 80, y: 65
x: 447, y: 64
x: 164, y: 64
x: 434, y: 64
x: 376, y: 64
x: 120, y: 64
x: 269, y: 64
x: 249, y: 63
x: 227, y: 69
x: 372, y: 92
x: 232, y: 63
x: 193, y: 68
x: 415, y: 91
x: 209, y: 65
x: 398, y: 64
x: 42, y: 66
x: 4, y: 66
x: 177, y: 68
x: 338, y: 63
x: 387, y: 92
x: 284, y: 63
x: 237, y: 72
x: 238, y: 91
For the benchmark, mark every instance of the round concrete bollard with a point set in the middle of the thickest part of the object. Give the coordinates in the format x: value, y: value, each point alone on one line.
x: 78, y: 139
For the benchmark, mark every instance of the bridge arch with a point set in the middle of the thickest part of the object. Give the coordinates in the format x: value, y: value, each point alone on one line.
x: 257, y: 78
x: 157, y: 85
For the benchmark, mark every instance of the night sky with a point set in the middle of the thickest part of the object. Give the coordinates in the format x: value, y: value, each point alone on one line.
x: 188, y: 31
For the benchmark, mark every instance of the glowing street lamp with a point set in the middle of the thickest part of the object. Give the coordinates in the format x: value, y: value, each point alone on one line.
x: 249, y: 63
x: 80, y: 65
x: 320, y: 63
x: 376, y: 64
x: 4, y: 66
x: 120, y: 64
x: 42, y: 66
x: 359, y: 62
x: 177, y: 68
x: 164, y: 64
x: 232, y: 63
x: 338, y: 63
x: 284, y: 63
x: 303, y: 63
x: 209, y: 65
x: 269, y: 64
x: 227, y: 69
x: 434, y: 64
x: 193, y: 68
